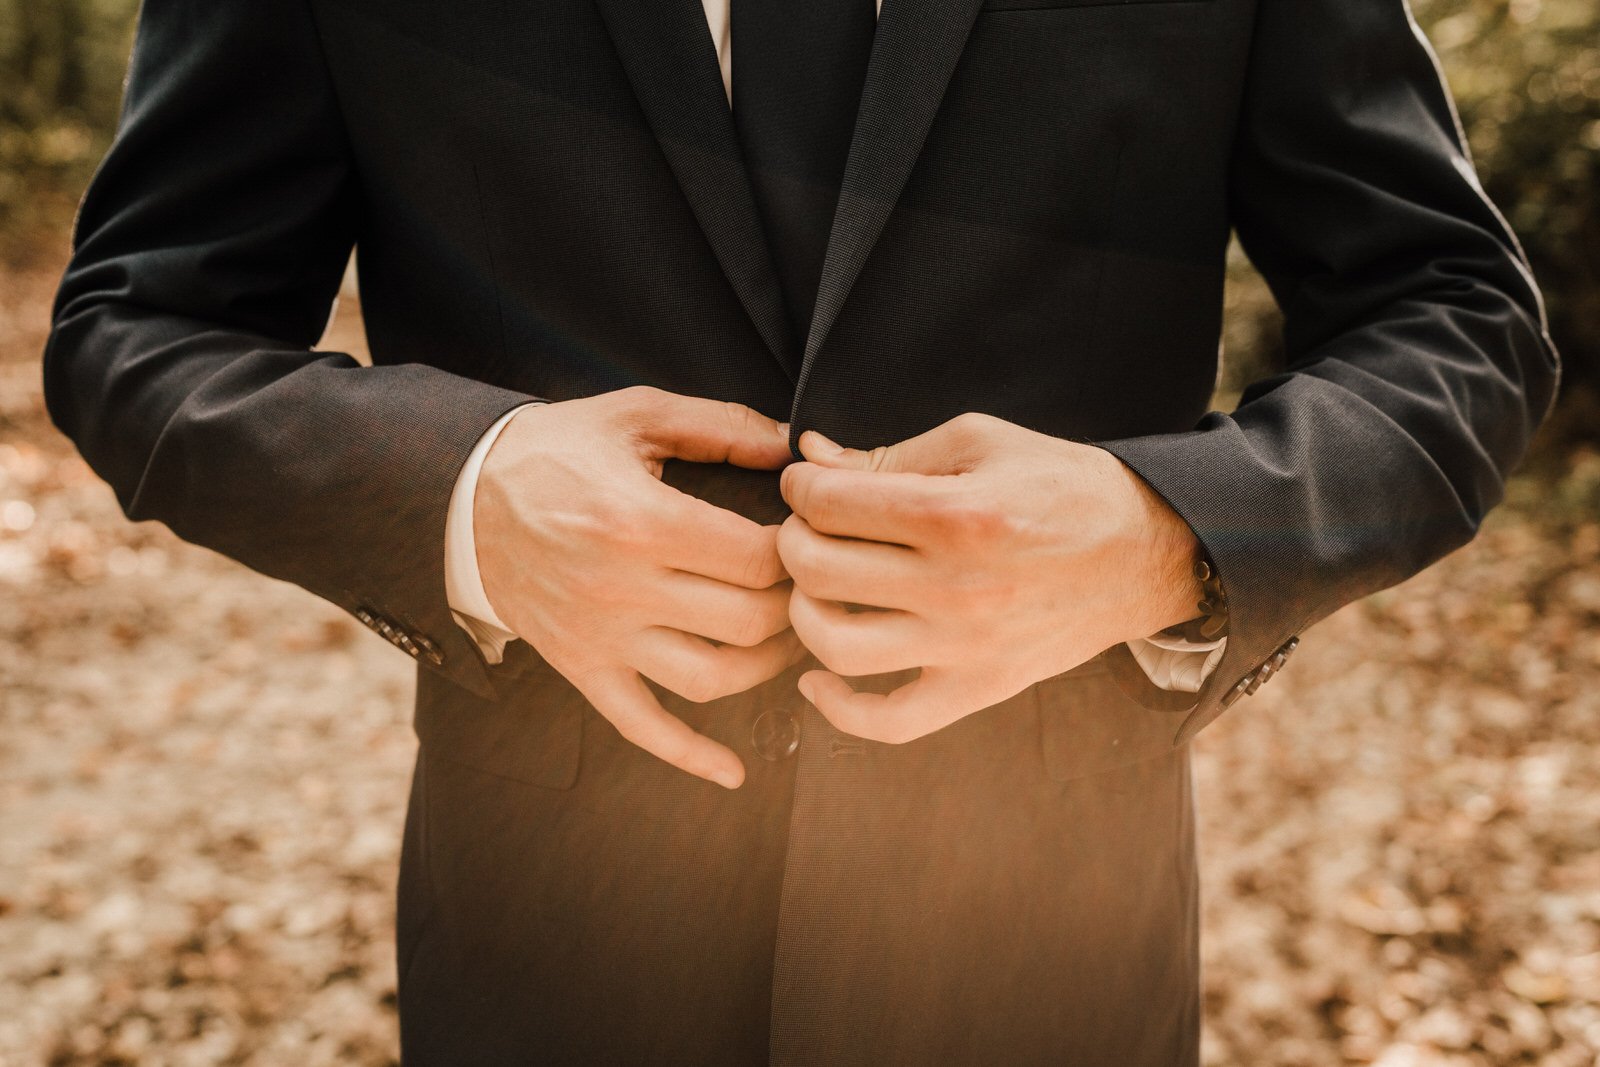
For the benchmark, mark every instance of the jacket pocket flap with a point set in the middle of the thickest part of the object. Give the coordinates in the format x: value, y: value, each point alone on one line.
x: 1088, y: 725
x: 533, y: 733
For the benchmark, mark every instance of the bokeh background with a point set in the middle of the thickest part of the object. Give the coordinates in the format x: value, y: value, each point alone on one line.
x: 202, y: 772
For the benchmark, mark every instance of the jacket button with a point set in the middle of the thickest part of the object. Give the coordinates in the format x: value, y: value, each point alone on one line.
x: 1264, y: 674
x: 428, y: 650
x: 1242, y: 689
x: 775, y: 735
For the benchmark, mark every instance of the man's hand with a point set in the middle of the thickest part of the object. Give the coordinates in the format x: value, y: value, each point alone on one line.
x: 610, y: 574
x: 993, y: 557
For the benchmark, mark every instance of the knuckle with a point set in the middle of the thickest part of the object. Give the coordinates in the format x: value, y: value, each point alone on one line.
x: 632, y: 730
x: 964, y: 520
x: 741, y: 419
x: 967, y: 420
x: 762, y: 565
x: 746, y: 627
x: 808, y: 626
x: 1003, y: 520
x: 972, y: 522
x: 640, y: 396
x: 699, y: 685
x: 798, y: 555
x: 840, y: 656
x: 972, y: 424
x: 787, y: 541
x: 640, y: 539
x: 800, y: 490
x: 950, y: 516
x: 823, y: 509
x: 827, y: 654
x: 1012, y: 527
x: 758, y: 621
x: 788, y: 486
x: 878, y: 458
x: 775, y: 602
x: 846, y: 663
x: 746, y: 631
x: 981, y: 519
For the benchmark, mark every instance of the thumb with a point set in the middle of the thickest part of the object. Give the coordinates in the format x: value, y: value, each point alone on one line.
x: 709, y: 431
x: 939, y: 451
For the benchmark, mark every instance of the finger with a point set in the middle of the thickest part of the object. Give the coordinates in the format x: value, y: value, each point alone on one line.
x: 627, y: 703
x: 695, y: 604
x: 949, y: 448
x: 932, y: 701
x: 901, y: 509
x: 704, y: 539
x: 668, y: 425
x: 699, y: 671
x: 862, y: 642
x: 855, y: 571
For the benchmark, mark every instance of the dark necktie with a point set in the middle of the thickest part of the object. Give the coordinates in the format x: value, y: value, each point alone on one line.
x: 798, y: 69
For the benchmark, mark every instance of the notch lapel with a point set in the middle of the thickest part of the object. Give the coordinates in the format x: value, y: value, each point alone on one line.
x: 914, y: 53
x: 667, y: 51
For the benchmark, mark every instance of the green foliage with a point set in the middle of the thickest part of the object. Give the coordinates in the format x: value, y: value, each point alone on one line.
x: 61, y: 70
x: 1527, y: 77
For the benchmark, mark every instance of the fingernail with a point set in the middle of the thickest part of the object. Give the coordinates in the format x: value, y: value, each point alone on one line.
x: 728, y: 779
x: 806, y: 687
x: 823, y: 445
x: 783, y: 430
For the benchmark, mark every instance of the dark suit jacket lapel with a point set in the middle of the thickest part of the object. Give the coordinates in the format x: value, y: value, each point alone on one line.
x: 666, y: 49
x: 914, y: 54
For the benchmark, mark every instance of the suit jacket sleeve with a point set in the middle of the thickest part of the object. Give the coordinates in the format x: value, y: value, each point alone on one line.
x: 207, y: 254
x: 1418, y: 360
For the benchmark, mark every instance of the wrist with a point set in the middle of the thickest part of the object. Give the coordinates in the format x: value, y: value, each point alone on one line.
x: 480, y: 516
x: 1169, y: 583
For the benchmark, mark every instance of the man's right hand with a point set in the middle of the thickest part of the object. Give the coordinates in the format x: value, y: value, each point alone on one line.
x: 610, y: 574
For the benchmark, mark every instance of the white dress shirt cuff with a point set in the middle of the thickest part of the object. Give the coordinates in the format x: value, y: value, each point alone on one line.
x: 1177, y: 665
x: 463, y: 584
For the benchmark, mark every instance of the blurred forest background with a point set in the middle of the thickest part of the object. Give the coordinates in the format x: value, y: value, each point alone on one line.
x: 202, y: 773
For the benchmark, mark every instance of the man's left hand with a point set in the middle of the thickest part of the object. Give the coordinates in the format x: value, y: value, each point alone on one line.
x: 988, y: 555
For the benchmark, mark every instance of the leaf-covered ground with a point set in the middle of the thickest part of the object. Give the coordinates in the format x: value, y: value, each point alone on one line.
x: 203, y: 772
